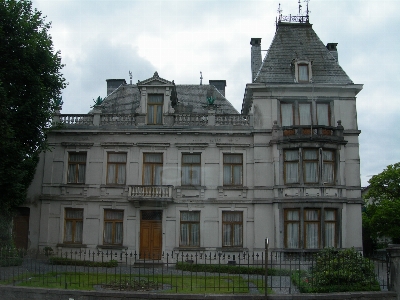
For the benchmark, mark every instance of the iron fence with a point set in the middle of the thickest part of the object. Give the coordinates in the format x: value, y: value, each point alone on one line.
x: 190, y: 272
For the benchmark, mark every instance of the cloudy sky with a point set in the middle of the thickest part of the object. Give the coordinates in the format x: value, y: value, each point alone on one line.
x: 104, y: 39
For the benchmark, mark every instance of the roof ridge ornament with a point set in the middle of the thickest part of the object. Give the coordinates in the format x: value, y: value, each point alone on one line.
x: 294, y: 19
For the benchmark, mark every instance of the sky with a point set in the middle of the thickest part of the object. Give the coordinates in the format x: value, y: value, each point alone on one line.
x: 105, y: 39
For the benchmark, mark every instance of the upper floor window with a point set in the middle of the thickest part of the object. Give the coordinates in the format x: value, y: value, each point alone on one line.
x: 233, y: 169
x: 152, y: 168
x: 190, y: 229
x: 301, y: 113
x: 191, y: 164
x: 76, y: 167
x: 155, y: 108
x: 73, y: 225
x: 116, y: 168
x: 309, y: 166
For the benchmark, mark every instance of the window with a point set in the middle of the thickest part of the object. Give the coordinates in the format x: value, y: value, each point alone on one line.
x: 310, y: 231
x: 309, y: 163
x: 155, y: 109
x: 305, y: 113
x: 191, y: 169
x: 233, y: 169
x: 232, y: 229
x: 76, y: 167
x: 152, y: 168
x: 323, y: 114
x: 116, y: 168
x: 303, y: 75
x: 73, y: 226
x: 113, y: 224
x: 190, y: 229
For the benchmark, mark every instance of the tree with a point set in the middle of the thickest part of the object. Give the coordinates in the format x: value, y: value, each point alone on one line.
x: 30, y: 89
x: 381, y: 217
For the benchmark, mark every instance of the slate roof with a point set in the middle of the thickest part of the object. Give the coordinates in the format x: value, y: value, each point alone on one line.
x: 299, y: 41
x: 192, y: 99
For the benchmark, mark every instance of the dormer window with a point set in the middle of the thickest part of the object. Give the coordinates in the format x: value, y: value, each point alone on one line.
x: 303, y: 71
x: 155, y: 109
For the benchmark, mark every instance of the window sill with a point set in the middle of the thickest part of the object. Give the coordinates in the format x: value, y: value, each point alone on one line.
x: 112, y: 247
x: 232, y: 249
x: 189, y: 249
x: 191, y: 187
x: 64, y: 245
x: 233, y: 187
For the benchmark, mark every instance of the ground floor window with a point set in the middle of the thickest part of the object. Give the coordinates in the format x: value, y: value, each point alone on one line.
x: 73, y: 225
x: 190, y: 229
x: 232, y: 229
x: 310, y: 228
x: 113, y: 225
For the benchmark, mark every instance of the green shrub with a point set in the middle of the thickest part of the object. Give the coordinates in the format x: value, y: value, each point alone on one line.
x: 228, y: 269
x: 11, y: 262
x: 338, y: 271
x: 85, y: 263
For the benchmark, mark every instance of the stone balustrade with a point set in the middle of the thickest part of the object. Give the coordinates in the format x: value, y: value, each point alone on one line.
x: 117, y: 119
x: 193, y: 120
x: 76, y: 119
x: 150, y: 191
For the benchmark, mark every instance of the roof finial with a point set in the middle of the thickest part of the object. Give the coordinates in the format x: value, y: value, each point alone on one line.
x: 307, y: 11
x: 130, y: 76
x: 300, y: 8
x: 201, y: 78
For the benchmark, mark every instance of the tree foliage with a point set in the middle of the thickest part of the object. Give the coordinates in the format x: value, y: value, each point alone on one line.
x: 30, y: 86
x: 381, y: 217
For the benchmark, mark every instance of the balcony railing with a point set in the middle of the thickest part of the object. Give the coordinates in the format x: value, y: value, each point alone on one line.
x: 306, y: 132
x: 235, y: 120
x: 150, y: 191
x: 117, y: 119
x: 191, y: 119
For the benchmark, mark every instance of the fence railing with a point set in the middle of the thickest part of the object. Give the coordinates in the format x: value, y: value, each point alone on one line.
x: 186, y: 272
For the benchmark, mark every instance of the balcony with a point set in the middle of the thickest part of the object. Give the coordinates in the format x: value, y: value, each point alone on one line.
x: 304, y: 133
x: 153, y: 195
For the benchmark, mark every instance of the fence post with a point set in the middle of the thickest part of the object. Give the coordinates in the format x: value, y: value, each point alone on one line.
x: 266, y: 267
x: 394, y: 256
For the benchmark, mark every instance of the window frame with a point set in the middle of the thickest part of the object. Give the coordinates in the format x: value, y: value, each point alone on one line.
x: 296, y: 112
x: 117, y: 166
x: 191, y: 166
x: 232, y: 166
x: 153, y: 166
x: 321, y: 222
x: 303, y: 66
x: 114, y: 222
x: 154, y: 106
x: 302, y: 161
x: 77, y: 165
x: 74, y: 222
x: 232, y: 224
x: 190, y: 223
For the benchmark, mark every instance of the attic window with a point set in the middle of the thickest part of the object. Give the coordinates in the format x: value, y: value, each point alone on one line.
x: 303, y: 72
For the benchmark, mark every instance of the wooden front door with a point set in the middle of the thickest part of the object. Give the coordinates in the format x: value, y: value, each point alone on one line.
x: 21, y: 228
x: 150, y: 234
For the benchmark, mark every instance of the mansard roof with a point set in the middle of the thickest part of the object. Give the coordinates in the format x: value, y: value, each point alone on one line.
x: 192, y: 99
x: 298, y: 41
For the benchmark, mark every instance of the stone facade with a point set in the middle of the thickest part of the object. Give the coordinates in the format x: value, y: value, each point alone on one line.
x: 160, y: 167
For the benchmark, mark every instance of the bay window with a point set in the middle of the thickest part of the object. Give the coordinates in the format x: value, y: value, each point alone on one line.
x: 310, y: 228
x: 309, y: 166
x: 305, y: 113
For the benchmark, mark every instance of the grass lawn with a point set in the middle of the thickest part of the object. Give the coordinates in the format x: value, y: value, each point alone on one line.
x: 219, y: 284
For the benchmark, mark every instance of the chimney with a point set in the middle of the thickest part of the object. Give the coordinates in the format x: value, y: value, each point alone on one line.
x: 219, y: 85
x: 113, y: 84
x: 255, y: 56
x: 333, y: 50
